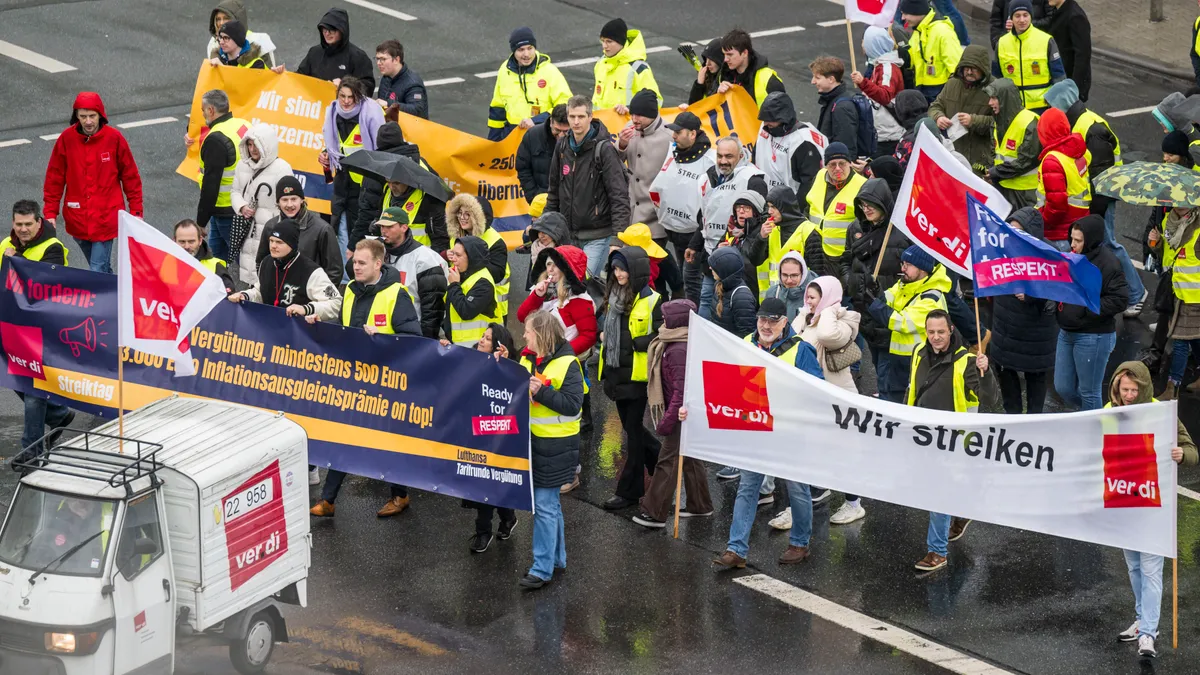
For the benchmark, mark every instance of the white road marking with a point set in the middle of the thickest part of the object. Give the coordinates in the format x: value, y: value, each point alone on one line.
x: 448, y: 80
x: 15, y: 141
x: 1190, y: 494
x: 146, y: 123
x: 898, y: 638
x: 830, y: 24
x: 49, y: 137
x: 33, y: 58
x: 1131, y: 111
x: 777, y: 31
x: 383, y: 10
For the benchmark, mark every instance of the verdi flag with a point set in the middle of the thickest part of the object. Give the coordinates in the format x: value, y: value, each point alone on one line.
x: 1007, y: 261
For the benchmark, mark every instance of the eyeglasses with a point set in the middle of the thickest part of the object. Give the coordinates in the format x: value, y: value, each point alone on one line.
x: 772, y: 318
x: 788, y: 277
x: 463, y: 216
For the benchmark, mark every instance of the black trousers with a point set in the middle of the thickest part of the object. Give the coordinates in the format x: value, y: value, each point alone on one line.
x: 641, y: 449
x: 483, y: 516
x: 692, y: 276
x: 1010, y: 390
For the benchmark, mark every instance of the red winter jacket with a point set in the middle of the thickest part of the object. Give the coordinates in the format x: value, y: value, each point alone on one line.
x: 886, y: 81
x: 578, y: 316
x: 1054, y: 132
x: 96, y: 172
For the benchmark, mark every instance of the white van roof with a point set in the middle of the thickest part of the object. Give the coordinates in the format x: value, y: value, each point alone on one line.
x: 206, y: 440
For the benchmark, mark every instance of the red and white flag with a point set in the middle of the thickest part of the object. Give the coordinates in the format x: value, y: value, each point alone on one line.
x: 931, y: 206
x: 162, y: 291
x: 872, y: 12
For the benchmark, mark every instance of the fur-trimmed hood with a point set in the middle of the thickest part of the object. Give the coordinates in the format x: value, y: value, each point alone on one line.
x: 570, y: 260
x: 479, y: 220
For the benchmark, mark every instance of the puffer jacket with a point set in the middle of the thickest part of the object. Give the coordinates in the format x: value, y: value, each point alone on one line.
x: 480, y: 300
x: 645, y: 155
x: 389, y: 138
x: 618, y: 382
x: 863, y: 242
x: 1054, y: 133
x: 588, y: 185
x: 578, y: 315
x: 533, y: 159
x: 318, y: 242
x: 958, y: 96
x: 758, y: 249
x: 334, y: 61
x: 1024, y: 332
x: 676, y: 314
x: 254, y: 185
x: 736, y: 309
x: 1114, y: 290
x: 555, y: 459
x: 481, y: 220
x: 836, y: 327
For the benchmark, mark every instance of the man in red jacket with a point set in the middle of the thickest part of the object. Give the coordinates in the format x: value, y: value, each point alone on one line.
x: 92, y: 164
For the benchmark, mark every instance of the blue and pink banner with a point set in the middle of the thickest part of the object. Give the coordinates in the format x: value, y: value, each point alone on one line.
x: 1008, y: 261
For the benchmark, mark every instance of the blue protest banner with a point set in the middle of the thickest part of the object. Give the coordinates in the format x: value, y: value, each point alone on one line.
x: 398, y: 408
x: 1008, y: 261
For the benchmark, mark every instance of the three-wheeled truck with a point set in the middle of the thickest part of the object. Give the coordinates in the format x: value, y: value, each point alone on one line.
x: 192, y: 525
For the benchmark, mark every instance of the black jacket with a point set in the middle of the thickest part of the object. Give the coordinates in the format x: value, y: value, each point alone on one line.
x: 1114, y: 290
x: 1000, y: 15
x: 555, y: 459
x: 217, y: 152
x: 618, y: 382
x: 737, y: 308
x: 1103, y: 145
x: 1071, y: 30
x: 1024, y: 332
x: 292, y: 272
x: 404, y: 316
x: 406, y: 90
x: 746, y: 80
x: 56, y: 254
x: 589, y: 185
x: 807, y: 161
x: 331, y: 62
x: 935, y: 376
x: 696, y: 243
x: 481, y: 299
x: 533, y: 160
x: 758, y: 249
x: 863, y: 242
x: 370, y: 196
x: 839, y: 119
x: 318, y: 243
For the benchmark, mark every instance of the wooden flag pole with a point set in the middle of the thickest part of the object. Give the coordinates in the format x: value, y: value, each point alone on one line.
x: 850, y: 42
x: 979, y: 334
x: 883, y: 247
x: 678, y: 490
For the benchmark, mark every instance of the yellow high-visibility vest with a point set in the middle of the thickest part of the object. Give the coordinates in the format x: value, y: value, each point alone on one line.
x: 1006, y: 150
x: 382, y: 306
x: 837, y: 219
x: 1025, y: 59
x: 544, y: 422
x: 641, y: 322
x: 964, y: 401
x: 233, y: 129
x: 466, y: 332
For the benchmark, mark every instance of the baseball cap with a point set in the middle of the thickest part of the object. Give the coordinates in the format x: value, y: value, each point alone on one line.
x: 684, y: 120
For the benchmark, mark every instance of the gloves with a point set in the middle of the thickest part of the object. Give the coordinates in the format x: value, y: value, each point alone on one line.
x: 871, y: 289
x: 689, y: 54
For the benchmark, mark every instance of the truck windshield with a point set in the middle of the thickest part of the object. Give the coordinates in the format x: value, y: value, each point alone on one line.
x: 44, y: 525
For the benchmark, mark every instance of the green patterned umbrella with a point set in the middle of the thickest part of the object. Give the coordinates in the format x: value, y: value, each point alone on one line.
x: 1151, y: 184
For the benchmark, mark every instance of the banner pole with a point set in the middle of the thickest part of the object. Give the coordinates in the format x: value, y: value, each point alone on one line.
x: 120, y: 403
x: 979, y: 332
x: 883, y: 247
x: 678, y: 489
x: 850, y: 42
x: 1174, y: 603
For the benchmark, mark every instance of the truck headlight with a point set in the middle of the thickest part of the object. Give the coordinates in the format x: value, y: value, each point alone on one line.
x: 71, y: 643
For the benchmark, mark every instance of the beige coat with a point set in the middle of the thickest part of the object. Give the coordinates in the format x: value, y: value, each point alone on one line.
x: 644, y: 156
x: 835, y: 328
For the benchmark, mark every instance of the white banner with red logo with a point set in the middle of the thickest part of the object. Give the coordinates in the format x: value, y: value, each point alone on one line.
x: 162, y: 293
x: 931, y: 205
x: 873, y: 12
x: 1103, y: 476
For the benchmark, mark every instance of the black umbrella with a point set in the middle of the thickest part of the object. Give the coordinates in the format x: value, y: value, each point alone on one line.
x: 397, y: 169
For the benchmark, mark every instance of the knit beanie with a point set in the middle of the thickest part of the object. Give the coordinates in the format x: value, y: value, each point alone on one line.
x: 1063, y: 94
x: 288, y: 186
x: 1176, y: 143
x: 917, y: 257
x: 914, y: 7
x: 1020, y: 5
x: 235, y: 31
x: 644, y: 103
x: 286, y: 231
x: 837, y: 150
x: 615, y: 30
x: 520, y: 37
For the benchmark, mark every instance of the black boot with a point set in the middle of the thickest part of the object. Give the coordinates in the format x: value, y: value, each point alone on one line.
x: 585, y: 423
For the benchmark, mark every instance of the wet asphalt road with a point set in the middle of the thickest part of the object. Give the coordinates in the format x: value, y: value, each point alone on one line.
x: 405, y: 595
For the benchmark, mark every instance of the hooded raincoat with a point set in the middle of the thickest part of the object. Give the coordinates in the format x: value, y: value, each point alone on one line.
x: 961, y: 96
x: 254, y: 186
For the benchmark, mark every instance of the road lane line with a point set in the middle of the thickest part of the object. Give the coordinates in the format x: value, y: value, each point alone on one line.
x: 1190, y: 494
x: 830, y: 24
x: 383, y: 10
x: 448, y: 80
x: 33, y: 58
x: 146, y: 123
x: 49, y: 137
x: 15, y: 141
x: 1131, y: 111
x: 898, y: 638
x: 777, y: 31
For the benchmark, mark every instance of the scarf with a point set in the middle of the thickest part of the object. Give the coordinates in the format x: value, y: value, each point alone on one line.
x: 586, y: 137
x: 618, y: 307
x: 370, y: 118
x: 654, y: 354
x: 1180, y: 228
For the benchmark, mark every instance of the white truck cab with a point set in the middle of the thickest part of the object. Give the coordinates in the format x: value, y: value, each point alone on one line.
x: 190, y: 526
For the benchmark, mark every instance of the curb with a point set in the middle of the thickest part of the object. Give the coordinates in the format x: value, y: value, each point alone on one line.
x: 982, y: 11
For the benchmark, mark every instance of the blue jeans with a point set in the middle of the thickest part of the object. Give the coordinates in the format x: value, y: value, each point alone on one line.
x: 1146, y: 577
x: 343, y: 238
x: 1179, y: 358
x: 218, y: 236
x: 1079, y: 367
x: 333, y: 485
x: 938, y: 537
x: 947, y: 8
x: 40, y: 413
x: 1136, y: 288
x: 597, y: 257
x: 98, y: 254
x: 549, y: 539
x: 708, y: 300
x: 745, y: 507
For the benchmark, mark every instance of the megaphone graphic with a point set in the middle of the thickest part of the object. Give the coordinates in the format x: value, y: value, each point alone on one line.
x: 82, y: 335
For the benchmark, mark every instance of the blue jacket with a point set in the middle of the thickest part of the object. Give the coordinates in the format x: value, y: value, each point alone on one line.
x: 407, y: 90
x: 806, y: 355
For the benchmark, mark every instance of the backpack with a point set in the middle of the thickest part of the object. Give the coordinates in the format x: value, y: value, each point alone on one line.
x: 868, y: 141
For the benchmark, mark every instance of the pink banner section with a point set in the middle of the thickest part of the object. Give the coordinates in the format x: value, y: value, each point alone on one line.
x: 1004, y: 270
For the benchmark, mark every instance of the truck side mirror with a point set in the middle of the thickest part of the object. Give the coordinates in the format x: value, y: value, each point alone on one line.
x: 145, y: 546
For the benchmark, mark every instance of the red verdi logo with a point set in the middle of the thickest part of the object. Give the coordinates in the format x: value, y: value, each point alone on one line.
x: 162, y: 287
x: 735, y: 397
x: 541, y: 84
x: 1130, y: 471
x: 255, y: 525
x: 935, y: 210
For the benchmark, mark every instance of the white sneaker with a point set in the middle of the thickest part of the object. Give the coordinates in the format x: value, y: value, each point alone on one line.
x: 1146, y: 646
x: 782, y: 521
x: 1129, y: 634
x: 314, y: 476
x: 821, y: 497
x: 765, y: 498
x: 848, y: 512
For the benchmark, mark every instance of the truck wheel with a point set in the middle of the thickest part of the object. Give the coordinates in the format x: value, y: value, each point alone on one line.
x: 251, y: 653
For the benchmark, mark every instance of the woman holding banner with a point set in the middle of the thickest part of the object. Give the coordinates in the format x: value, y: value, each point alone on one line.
x: 350, y: 125
x: 556, y: 400
x: 1131, y: 385
x: 498, y: 342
